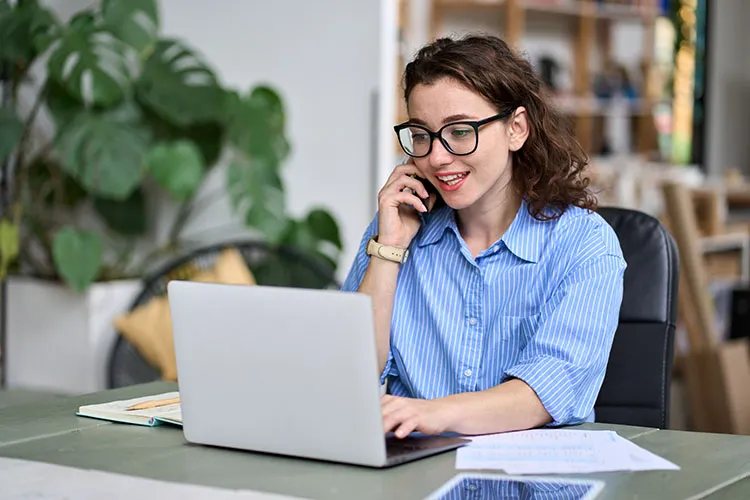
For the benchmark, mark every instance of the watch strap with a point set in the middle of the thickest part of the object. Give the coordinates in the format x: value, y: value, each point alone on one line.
x: 394, y: 254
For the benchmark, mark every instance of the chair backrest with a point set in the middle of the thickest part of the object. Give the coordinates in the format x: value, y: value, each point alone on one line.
x: 270, y: 265
x: 637, y: 382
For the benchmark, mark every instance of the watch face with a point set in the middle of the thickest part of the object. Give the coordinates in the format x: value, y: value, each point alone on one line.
x: 406, y: 255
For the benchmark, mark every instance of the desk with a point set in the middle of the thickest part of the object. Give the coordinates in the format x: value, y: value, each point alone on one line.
x: 713, y: 465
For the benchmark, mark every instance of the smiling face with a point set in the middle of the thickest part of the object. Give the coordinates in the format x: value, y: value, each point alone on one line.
x: 480, y: 178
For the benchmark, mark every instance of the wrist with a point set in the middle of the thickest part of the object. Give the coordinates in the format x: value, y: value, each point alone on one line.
x: 451, y: 410
x: 393, y: 242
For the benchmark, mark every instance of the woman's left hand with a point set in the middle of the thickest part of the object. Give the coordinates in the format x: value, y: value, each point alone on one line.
x: 406, y: 415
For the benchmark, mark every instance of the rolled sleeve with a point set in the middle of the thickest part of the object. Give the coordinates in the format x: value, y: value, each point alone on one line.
x: 565, y: 360
x: 361, y: 260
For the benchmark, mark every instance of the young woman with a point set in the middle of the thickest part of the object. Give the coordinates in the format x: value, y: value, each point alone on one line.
x: 496, y: 296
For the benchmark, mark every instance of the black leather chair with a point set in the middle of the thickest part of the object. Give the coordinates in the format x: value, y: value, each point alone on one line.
x: 636, y: 385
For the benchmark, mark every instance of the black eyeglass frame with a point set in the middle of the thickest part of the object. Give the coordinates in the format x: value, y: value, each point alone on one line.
x: 439, y: 134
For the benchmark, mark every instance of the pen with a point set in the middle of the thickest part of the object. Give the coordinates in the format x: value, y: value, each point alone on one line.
x: 153, y: 404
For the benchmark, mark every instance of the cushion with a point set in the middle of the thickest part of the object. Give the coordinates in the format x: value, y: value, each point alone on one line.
x: 148, y: 327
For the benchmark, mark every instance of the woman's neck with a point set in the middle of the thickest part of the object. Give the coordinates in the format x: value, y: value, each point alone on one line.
x: 482, y: 224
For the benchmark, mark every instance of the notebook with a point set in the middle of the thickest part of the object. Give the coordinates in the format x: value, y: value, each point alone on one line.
x: 149, y: 410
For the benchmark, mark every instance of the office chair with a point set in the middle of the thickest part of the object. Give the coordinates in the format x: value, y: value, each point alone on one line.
x: 270, y: 265
x: 636, y: 386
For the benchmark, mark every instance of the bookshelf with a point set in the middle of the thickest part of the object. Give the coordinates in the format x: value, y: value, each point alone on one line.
x: 588, y: 27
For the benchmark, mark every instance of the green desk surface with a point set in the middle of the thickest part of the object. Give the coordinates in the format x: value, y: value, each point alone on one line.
x: 15, y: 397
x: 48, y: 431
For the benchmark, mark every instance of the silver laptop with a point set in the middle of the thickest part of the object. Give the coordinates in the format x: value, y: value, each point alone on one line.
x: 286, y: 371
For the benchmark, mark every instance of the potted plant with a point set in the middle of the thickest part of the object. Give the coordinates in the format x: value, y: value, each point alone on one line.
x: 101, y: 116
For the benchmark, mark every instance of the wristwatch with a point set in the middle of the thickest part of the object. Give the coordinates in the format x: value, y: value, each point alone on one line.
x: 386, y: 252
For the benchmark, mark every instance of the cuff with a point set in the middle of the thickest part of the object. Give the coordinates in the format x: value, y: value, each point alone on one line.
x: 388, y: 370
x: 549, y: 379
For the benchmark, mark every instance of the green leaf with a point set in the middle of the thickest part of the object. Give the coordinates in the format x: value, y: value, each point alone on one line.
x: 257, y: 123
x: 105, y: 151
x: 266, y: 214
x: 127, y: 217
x: 9, y: 245
x: 135, y: 22
x: 207, y: 136
x: 11, y: 129
x: 78, y: 256
x: 179, y: 86
x: 25, y: 32
x: 255, y: 188
x: 177, y: 167
x: 324, y: 227
x: 90, y: 63
x: 62, y: 106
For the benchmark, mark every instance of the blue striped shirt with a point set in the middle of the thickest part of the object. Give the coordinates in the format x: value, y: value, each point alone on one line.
x: 541, y: 305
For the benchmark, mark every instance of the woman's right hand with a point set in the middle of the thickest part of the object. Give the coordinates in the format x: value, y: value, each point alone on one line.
x: 398, y: 222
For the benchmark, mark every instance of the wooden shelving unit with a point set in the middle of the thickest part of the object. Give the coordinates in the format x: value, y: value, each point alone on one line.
x: 590, y: 23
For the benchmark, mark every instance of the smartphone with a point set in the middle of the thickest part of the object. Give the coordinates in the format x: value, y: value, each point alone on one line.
x: 430, y: 190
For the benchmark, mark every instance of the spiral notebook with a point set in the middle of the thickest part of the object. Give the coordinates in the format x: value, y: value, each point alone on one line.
x: 149, y: 410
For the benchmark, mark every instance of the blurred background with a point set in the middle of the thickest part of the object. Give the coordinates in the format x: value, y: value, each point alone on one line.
x: 241, y: 141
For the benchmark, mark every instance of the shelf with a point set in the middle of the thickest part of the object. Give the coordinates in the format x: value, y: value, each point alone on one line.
x: 569, y: 8
x: 601, y: 107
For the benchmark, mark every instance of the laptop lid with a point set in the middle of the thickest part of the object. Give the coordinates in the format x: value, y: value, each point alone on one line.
x: 279, y: 370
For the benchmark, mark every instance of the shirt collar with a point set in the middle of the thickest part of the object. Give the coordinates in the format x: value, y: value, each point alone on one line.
x: 524, y: 238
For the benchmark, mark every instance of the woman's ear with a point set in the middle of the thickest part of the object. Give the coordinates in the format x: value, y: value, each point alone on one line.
x: 518, y: 129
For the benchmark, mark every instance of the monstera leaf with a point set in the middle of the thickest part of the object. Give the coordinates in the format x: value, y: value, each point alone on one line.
x: 78, y: 257
x: 256, y: 125
x: 10, y: 132
x: 255, y: 187
x: 90, y: 63
x: 177, y: 167
x: 104, y: 151
x: 135, y: 22
x: 62, y: 106
x: 179, y: 87
x: 26, y: 31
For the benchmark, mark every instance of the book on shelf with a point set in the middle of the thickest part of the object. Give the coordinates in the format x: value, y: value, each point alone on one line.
x: 148, y: 410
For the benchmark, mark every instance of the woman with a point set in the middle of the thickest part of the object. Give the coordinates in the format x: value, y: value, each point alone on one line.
x: 496, y: 296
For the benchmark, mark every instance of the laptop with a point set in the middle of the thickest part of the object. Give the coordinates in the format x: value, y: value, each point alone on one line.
x: 286, y: 371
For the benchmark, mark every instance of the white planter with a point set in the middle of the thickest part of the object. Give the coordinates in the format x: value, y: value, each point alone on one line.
x: 59, y: 340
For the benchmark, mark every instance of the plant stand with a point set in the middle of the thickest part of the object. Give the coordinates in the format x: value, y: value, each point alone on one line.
x: 58, y: 340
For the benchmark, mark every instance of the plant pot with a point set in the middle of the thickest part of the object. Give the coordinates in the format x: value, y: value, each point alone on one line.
x: 59, y: 340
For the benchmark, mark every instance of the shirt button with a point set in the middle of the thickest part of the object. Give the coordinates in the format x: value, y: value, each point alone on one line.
x: 467, y: 373
x: 472, y: 486
x: 472, y: 321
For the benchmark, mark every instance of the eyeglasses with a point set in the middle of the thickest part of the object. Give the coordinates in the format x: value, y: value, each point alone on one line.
x: 459, y: 138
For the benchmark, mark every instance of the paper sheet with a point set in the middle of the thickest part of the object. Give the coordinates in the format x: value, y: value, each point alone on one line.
x: 21, y: 479
x: 557, y: 451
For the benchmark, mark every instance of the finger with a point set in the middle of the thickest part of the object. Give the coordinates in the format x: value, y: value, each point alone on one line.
x: 390, y: 422
x: 408, y: 182
x: 405, y: 198
x: 406, y: 428
x: 403, y: 169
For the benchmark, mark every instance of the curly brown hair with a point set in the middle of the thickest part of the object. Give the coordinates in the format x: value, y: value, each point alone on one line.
x: 549, y: 169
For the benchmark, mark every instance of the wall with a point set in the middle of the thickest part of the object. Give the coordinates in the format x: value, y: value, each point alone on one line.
x: 728, y: 100
x: 324, y: 58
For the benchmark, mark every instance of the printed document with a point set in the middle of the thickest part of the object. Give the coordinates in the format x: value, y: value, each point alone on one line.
x: 557, y: 451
